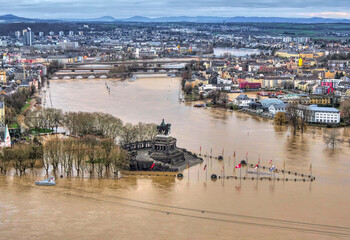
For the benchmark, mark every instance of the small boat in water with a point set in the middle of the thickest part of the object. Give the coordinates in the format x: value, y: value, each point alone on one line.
x: 132, y: 79
x: 47, y: 182
x: 199, y: 105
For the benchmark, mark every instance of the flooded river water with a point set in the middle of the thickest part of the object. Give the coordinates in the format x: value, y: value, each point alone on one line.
x: 143, y: 207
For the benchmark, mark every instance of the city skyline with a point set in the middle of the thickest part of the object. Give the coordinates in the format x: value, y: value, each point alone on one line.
x: 161, y: 8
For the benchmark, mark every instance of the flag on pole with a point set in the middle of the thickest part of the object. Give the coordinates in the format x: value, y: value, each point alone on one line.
x: 153, y: 165
x: 270, y: 162
x: 238, y: 166
x: 272, y: 168
x: 310, y: 167
x: 200, y: 148
x: 257, y: 165
x: 284, y: 164
x: 188, y: 165
x: 234, y: 154
x: 205, y: 167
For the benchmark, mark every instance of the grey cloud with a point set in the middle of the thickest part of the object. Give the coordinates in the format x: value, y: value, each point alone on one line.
x: 157, y: 8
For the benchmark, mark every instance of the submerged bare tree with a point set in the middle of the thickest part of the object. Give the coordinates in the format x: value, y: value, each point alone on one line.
x: 305, y: 115
x: 53, y: 151
x: 20, y: 158
x: 332, y: 138
x: 293, y: 116
x: 5, y: 160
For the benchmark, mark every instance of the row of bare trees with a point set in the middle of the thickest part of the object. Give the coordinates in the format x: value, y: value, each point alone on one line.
x: 46, y: 118
x: 80, y: 155
x: 20, y: 157
x: 91, y: 146
x: 80, y: 124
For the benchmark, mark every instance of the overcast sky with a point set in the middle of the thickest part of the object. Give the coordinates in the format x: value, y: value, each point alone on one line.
x: 161, y: 8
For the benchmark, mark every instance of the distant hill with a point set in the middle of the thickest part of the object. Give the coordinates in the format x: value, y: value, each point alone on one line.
x: 9, y: 18
x: 106, y: 19
x: 208, y: 19
x: 138, y: 19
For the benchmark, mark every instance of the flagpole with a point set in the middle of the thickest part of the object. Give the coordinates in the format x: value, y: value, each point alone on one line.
x: 246, y: 169
x: 234, y: 162
x: 240, y: 176
x: 311, y: 169
x: 188, y: 171
x: 206, y: 174
x: 257, y: 172
x: 284, y: 169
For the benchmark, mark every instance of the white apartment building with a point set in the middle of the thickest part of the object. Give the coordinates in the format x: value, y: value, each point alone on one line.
x: 326, y: 115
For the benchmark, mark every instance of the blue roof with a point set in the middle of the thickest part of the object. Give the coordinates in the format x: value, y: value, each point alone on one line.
x: 268, y: 101
x: 242, y: 97
x: 279, y: 105
x: 323, y: 109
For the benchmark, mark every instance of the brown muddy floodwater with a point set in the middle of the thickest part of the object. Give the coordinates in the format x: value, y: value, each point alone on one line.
x: 145, y: 207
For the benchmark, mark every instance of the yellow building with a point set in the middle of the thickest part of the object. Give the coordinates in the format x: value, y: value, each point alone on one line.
x: 306, y: 55
x: 2, y: 112
x: 255, y: 80
x: 2, y: 76
x: 302, y: 85
x: 286, y: 54
x: 329, y: 74
x: 207, y: 65
x: 320, y: 100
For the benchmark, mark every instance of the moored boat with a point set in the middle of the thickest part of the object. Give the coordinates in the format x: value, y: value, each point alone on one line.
x: 198, y: 105
x: 47, y: 182
x: 132, y: 79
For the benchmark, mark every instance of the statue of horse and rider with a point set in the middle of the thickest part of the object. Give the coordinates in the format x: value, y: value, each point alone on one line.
x: 164, y: 128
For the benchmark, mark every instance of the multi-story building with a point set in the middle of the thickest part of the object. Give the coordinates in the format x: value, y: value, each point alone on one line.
x: 248, y: 85
x: 41, y: 34
x: 28, y: 37
x: 287, y: 39
x: 320, y: 100
x: 71, y: 33
x: 61, y: 33
x: 326, y: 115
x: 18, y: 34
x: 3, y: 43
x: 68, y: 45
x: 243, y: 101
